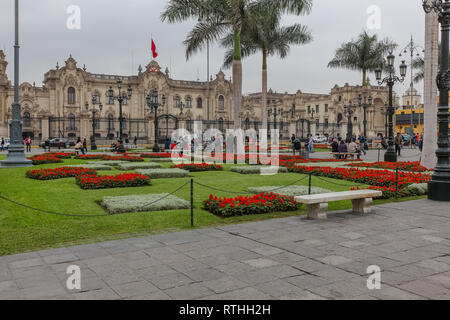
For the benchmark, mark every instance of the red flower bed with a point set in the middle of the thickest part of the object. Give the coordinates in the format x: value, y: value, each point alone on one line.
x: 58, y: 173
x: 43, y: 159
x: 93, y: 181
x: 60, y: 155
x: 195, y: 167
x: 403, y: 165
x: 257, y: 204
x: 380, y: 178
x: 124, y: 157
x: 155, y: 155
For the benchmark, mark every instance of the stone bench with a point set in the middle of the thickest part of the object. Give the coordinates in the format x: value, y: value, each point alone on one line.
x: 317, y: 204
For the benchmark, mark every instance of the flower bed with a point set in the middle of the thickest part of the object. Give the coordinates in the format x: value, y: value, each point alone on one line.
x: 194, y: 167
x: 258, y: 169
x: 402, y: 165
x: 133, y: 166
x: 380, y: 178
x: 257, y: 204
x: 105, y: 157
x: 58, y: 173
x: 123, y: 180
x: 113, y: 163
x: 60, y: 155
x: 44, y: 159
x: 146, y: 202
x: 155, y: 155
x: 164, y: 173
x: 291, y: 191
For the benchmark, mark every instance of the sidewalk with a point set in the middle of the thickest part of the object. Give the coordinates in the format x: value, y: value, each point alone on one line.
x: 289, y: 258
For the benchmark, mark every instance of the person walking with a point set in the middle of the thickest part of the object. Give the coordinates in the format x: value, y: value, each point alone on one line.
x: 398, y: 143
x: 135, y: 141
x: 28, y: 143
x: 2, y: 144
x: 293, y: 145
x: 311, y: 144
x: 85, y: 150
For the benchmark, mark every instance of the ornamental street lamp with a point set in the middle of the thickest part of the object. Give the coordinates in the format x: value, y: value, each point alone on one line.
x: 121, y: 97
x: 439, y: 186
x: 390, y: 155
x: 153, y: 104
x: 16, y: 155
x: 94, y: 120
x: 349, y: 110
x: 275, y: 112
x: 367, y: 103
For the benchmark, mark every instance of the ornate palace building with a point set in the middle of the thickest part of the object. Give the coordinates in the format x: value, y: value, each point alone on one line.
x: 58, y: 108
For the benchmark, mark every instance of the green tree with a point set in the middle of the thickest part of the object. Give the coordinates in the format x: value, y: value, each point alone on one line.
x: 266, y: 35
x: 364, y: 54
x: 217, y: 18
x: 419, y: 65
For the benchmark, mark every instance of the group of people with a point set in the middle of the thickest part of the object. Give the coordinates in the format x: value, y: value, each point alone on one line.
x: 27, y: 143
x: 352, y: 146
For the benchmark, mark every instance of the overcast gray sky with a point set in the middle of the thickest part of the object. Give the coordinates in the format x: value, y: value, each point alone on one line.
x: 115, y: 38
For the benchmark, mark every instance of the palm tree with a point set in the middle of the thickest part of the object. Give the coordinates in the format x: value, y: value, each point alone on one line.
x: 216, y: 18
x: 363, y: 54
x: 266, y: 35
x: 419, y: 65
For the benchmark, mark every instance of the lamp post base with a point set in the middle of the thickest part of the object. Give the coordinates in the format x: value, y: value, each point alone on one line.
x: 390, y: 156
x: 121, y: 148
x: 156, y: 148
x: 439, y: 190
x: 16, y: 159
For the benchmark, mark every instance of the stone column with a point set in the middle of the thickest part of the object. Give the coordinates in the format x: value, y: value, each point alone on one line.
x: 84, y: 126
x: 292, y: 127
x: 45, y: 127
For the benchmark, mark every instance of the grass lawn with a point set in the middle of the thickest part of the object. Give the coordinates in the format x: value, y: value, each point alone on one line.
x: 24, y: 230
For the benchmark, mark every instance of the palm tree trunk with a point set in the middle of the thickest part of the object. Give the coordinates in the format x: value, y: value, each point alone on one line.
x: 364, y: 77
x: 429, y: 158
x: 237, y: 78
x: 264, y: 91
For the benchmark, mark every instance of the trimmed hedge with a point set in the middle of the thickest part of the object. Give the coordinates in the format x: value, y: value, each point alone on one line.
x: 147, y: 202
x: 254, y: 169
x: 291, y: 191
x: 142, y: 165
x: 94, y: 166
x: 163, y: 173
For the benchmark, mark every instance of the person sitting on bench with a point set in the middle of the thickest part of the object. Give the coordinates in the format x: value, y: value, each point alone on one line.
x: 342, y: 149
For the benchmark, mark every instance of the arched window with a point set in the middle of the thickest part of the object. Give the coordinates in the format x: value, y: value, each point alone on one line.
x: 188, y: 102
x: 96, y: 97
x: 188, y: 124
x: 220, y: 124
x: 110, y: 122
x: 199, y: 103
x: 247, y: 124
x: 176, y: 101
x: 71, y: 122
x: 221, y: 103
x: 71, y: 95
x: 26, y: 119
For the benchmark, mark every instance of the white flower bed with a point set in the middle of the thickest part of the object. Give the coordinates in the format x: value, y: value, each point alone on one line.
x: 94, y: 166
x: 418, y: 188
x: 291, y: 191
x: 145, y: 202
x: 113, y: 163
x: 163, y: 173
x: 138, y: 165
x: 258, y: 169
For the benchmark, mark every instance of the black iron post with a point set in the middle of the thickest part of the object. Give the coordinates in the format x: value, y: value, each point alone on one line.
x: 16, y: 155
x: 390, y: 154
x: 439, y: 186
x: 121, y: 98
x: 367, y: 103
x: 94, y: 112
x: 153, y: 104
x: 348, y: 110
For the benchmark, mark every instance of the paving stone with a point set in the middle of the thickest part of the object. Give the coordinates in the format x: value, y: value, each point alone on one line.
x: 256, y: 276
x: 133, y: 289
x: 171, y: 281
x: 60, y: 258
x: 280, y: 288
x: 101, y: 294
x: 334, y: 260
x: 307, y: 281
x: 8, y: 286
x: 204, y: 274
x: 353, y: 235
x: 26, y: 263
x: 158, y: 295
x: 261, y: 263
x: 424, y: 288
x: 283, y: 271
x: 434, y: 265
x: 224, y: 284
x: 188, y: 292
x: 248, y: 293
x: 344, y: 289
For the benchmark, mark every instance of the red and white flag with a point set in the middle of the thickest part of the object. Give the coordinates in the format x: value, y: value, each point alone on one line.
x: 155, y: 54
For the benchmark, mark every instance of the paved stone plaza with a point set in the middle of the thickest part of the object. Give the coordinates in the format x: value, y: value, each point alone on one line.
x: 289, y: 258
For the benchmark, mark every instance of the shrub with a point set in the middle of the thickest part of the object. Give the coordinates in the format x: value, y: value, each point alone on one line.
x: 419, y: 189
x: 163, y: 173
x: 257, y: 169
x: 133, y: 166
x: 113, y: 163
x: 195, y: 167
x: 58, y: 173
x: 147, y: 202
x: 257, y: 204
x: 106, y: 157
x: 119, y: 181
x: 291, y: 191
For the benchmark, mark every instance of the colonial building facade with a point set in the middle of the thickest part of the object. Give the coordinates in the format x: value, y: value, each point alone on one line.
x: 62, y: 106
